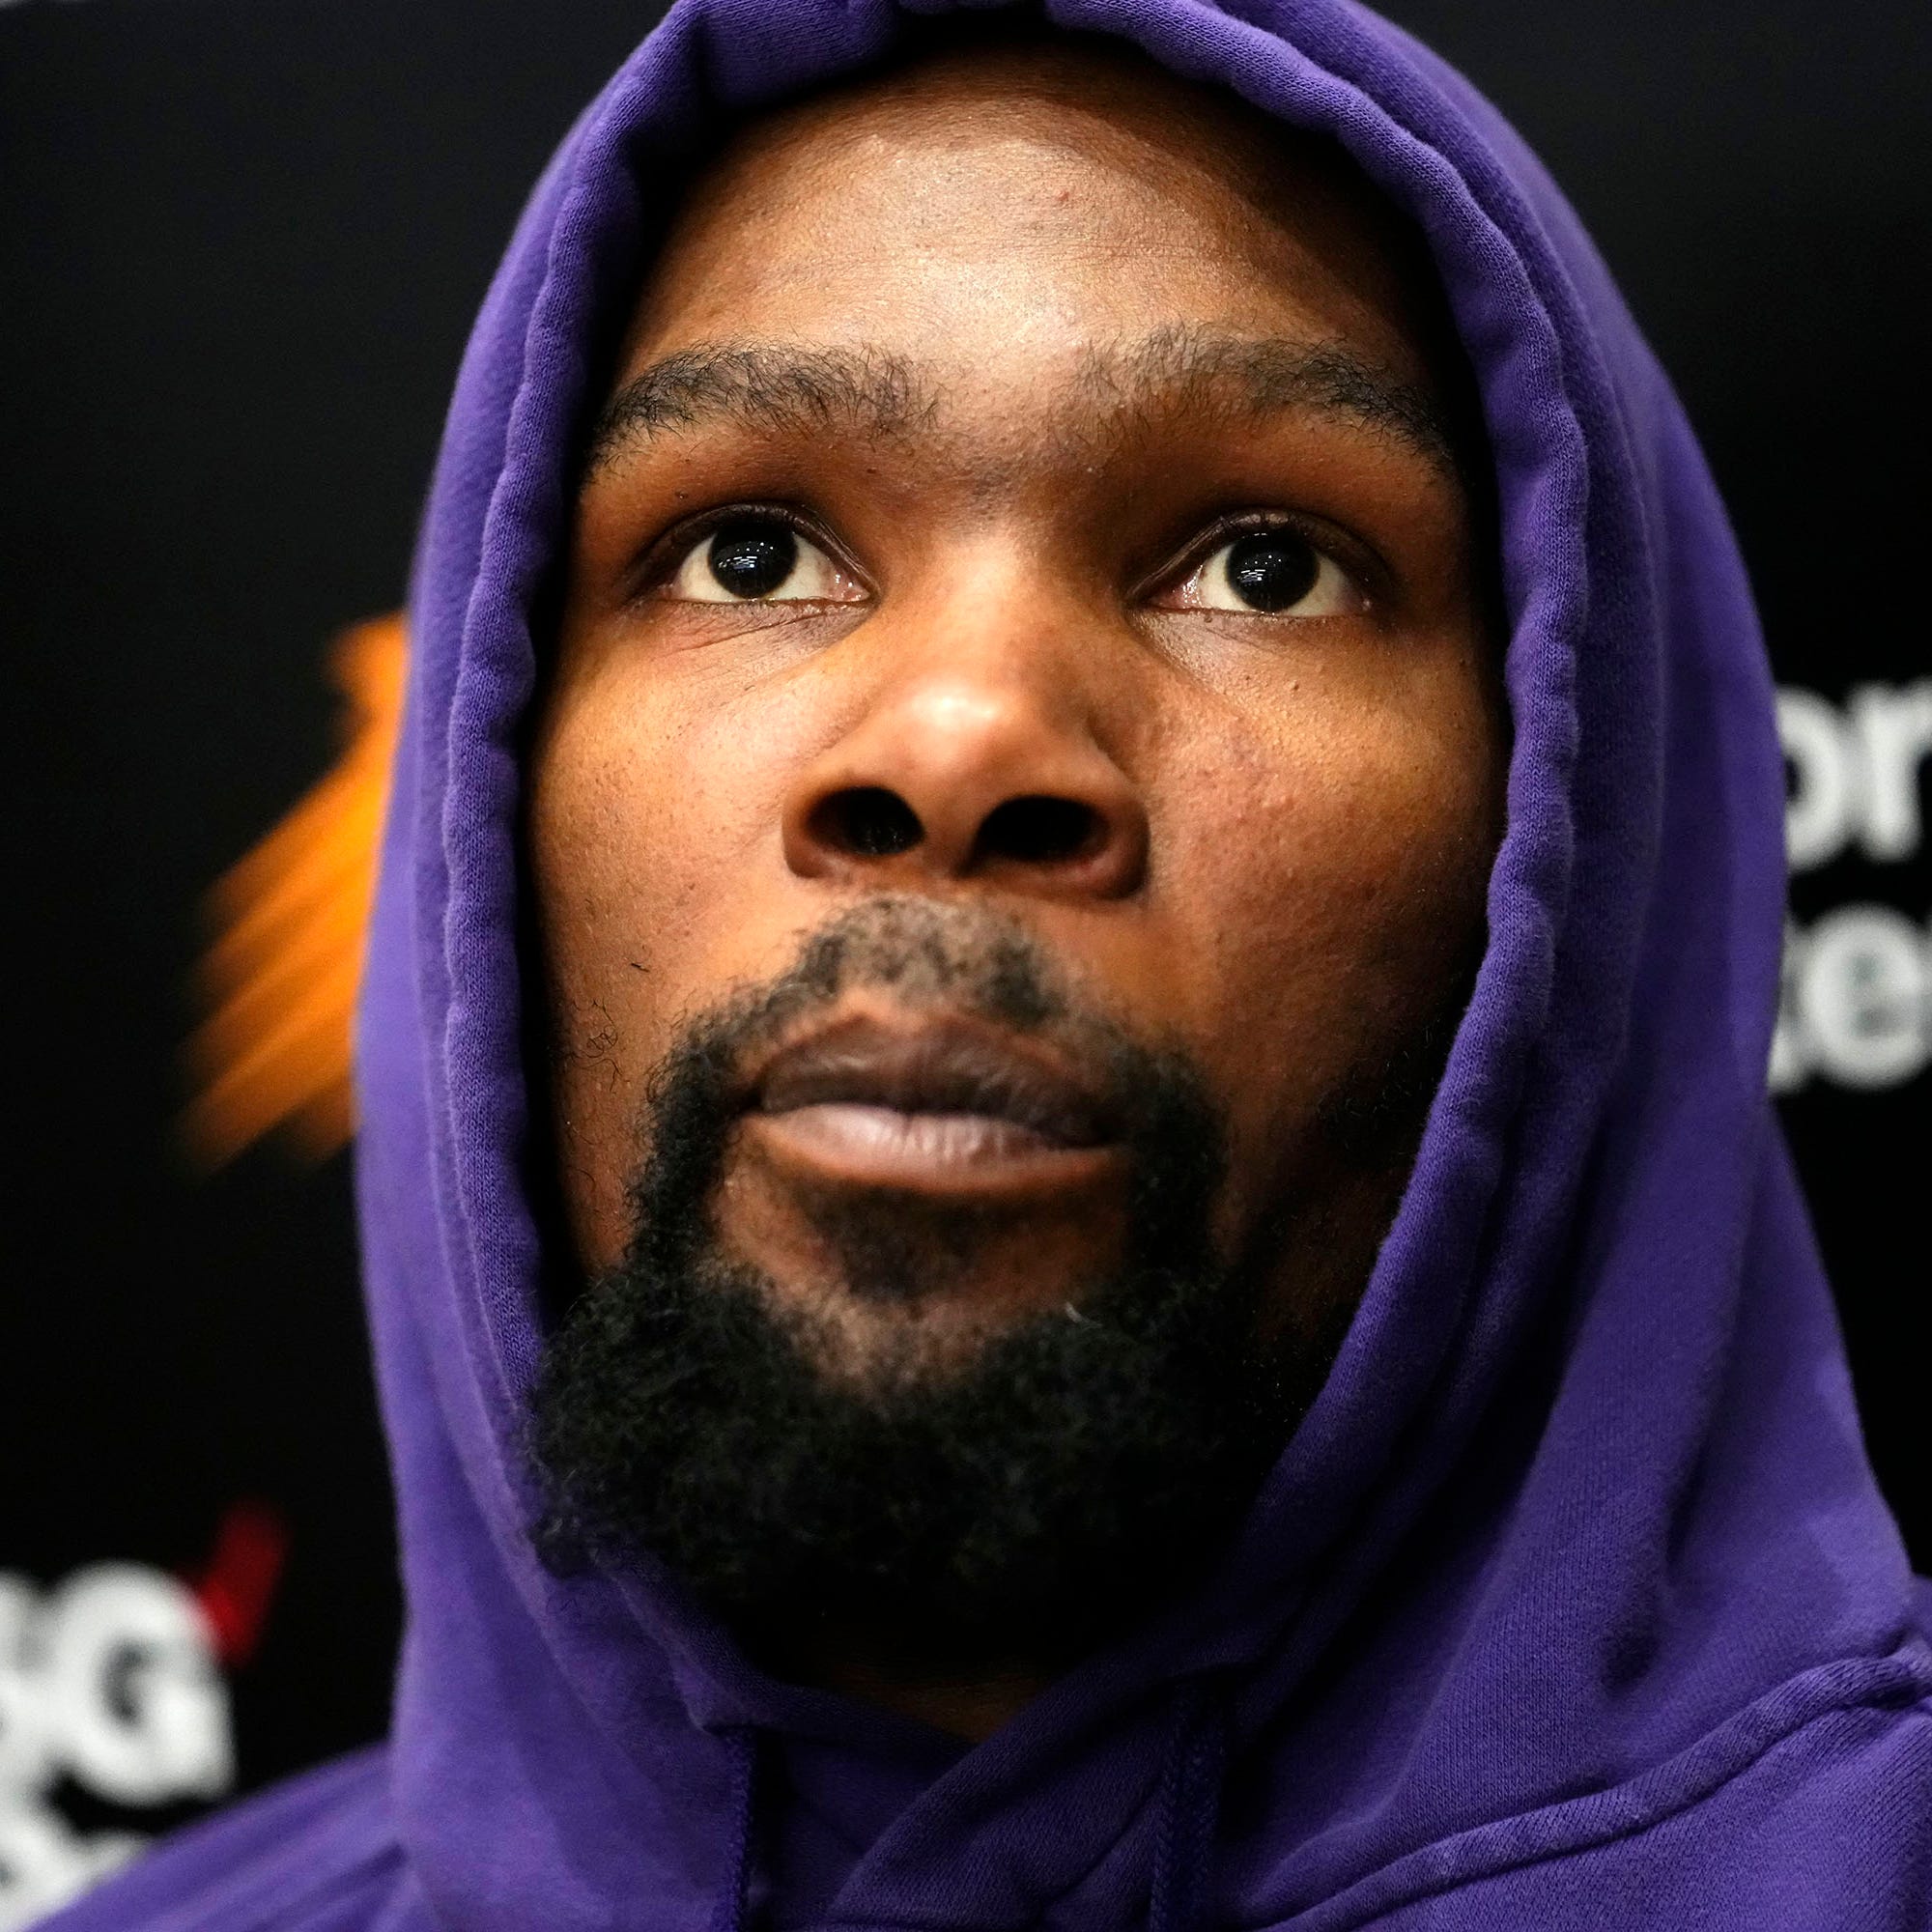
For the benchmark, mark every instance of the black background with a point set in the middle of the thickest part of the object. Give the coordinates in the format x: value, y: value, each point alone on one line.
x: 241, y: 245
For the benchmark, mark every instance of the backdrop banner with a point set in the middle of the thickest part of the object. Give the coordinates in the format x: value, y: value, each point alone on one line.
x: 241, y: 245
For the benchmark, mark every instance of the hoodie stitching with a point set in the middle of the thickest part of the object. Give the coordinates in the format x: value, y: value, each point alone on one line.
x: 1740, y: 1743
x: 1900, y: 1684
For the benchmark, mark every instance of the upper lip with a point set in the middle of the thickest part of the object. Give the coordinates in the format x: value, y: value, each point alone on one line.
x: 946, y: 1066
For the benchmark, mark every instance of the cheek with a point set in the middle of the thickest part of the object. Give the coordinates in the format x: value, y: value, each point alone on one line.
x: 646, y: 821
x: 648, y: 813
x: 1329, y: 857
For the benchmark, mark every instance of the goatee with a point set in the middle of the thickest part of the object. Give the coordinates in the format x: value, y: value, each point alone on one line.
x: 1025, y: 1499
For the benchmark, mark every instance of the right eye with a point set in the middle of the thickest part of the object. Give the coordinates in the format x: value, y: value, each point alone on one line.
x: 1274, y: 571
x: 759, y: 559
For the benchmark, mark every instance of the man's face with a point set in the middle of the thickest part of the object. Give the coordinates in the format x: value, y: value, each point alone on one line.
x: 1021, y: 709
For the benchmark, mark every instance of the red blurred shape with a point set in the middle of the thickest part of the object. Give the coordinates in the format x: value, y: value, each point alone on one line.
x: 239, y: 1580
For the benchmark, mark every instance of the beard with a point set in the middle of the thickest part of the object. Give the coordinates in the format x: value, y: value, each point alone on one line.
x: 1025, y: 1498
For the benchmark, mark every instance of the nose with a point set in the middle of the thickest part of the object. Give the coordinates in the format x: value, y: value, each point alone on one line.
x: 986, y: 769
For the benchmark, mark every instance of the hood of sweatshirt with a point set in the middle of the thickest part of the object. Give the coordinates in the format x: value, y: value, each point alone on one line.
x: 1578, y: 1544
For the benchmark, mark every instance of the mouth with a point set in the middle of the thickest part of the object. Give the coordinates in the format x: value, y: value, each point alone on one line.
x: 938, y: 1106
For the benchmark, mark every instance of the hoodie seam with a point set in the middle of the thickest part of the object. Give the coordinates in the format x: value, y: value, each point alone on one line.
x: 1897, y: 1685
x: 1894, y: 1685
x: 330, y: 1887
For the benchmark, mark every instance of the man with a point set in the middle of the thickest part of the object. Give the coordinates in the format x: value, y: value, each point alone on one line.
x: 1069, y: 1201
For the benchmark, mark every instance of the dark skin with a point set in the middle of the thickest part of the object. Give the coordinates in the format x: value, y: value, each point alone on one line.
x: 1092, y: 548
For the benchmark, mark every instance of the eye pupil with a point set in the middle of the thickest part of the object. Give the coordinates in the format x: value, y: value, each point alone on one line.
x: 1271, y: 569
x: 753, y: 558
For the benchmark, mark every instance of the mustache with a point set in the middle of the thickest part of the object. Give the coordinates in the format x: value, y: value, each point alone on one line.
x: 1003, y: 1029
x: 923, y: 952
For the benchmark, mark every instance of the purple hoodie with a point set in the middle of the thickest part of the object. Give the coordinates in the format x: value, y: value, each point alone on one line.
x: 1572, y: 1604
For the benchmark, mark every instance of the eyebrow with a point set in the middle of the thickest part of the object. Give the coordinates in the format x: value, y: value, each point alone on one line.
x: 788, y: 390
x: 769, y: 387
x: 1218, y: 372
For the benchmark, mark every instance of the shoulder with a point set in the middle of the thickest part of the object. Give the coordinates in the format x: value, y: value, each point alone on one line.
x: 303, y: 1852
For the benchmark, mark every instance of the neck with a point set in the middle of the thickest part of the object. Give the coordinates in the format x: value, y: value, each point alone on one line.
x: 970, y: 1701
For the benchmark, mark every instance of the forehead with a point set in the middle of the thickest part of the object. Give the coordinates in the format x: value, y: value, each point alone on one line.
x: 1000, y: 213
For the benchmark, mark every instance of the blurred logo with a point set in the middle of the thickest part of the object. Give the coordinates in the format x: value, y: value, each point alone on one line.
x: 113, y: 1703
x: 1856, y: 1006
x: 279, y: 981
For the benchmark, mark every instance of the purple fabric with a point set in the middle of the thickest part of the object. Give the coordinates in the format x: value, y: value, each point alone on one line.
x: 1572, y: 1604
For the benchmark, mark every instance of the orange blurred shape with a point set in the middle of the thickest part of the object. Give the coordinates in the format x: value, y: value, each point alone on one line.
x: 279, y: 979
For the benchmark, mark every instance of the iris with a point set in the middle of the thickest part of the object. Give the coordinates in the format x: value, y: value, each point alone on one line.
x: 1272, y: 570
x: 751, y: 557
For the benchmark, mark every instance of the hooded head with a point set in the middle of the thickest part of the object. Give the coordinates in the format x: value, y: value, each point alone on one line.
x: 1084, y: 689
x: 1014, y: 782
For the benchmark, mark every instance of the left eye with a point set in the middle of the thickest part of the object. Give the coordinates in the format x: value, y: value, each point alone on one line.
x: 1275, y: 571
x: 758, y: 559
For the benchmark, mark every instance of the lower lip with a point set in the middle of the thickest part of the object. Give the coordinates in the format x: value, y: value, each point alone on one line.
x: 946, y: 1153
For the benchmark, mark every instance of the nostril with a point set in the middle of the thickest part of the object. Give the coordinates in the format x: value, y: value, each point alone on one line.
x: 1040, y: 831
x: 867, y: 822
